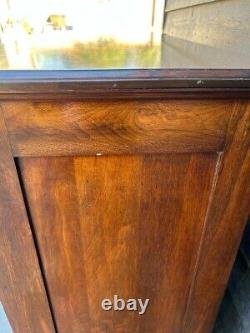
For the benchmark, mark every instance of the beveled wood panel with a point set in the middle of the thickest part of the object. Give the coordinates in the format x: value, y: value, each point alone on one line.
x: 125, y: 225
x: 116, y: 127
x: 22, y: 291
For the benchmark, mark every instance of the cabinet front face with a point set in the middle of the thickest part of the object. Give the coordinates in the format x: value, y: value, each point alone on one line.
x: 133, y: 200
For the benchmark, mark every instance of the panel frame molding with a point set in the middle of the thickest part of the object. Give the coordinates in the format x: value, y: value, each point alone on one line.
x: 116, y: 127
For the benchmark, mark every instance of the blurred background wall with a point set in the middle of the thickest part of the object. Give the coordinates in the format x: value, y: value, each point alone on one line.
x: 207, y: 34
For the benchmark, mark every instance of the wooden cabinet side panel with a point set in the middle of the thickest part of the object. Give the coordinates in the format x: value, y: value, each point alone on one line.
x: 226, y: 219
x: 125, y: 225
x: 66, y: 207
x: 22, y: 292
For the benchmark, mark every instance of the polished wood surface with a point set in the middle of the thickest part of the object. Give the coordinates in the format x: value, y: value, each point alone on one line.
x: 226, y: 218
x: 126, y: 225
x: 130, y: 84
x: 159, y: 215
x: 22, y: 291
x: 116, y: 127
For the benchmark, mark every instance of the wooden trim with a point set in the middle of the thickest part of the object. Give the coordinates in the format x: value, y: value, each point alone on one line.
x: 116, y: 127
x: 123, y: 83
x: 226, y: 218
x: 22, y: 292
x: 80, y: 94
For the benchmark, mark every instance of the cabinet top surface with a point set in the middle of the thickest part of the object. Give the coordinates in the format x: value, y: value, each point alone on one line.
x: 123, y: 41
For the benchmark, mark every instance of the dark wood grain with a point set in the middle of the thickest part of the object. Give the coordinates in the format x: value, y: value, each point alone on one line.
x: 116, y: 127
x: 82, y: 93
x: 153, y: 83
x: 22, y: 291
x: 226, y: 219
x: 162, y: 220
x: 127, y: 225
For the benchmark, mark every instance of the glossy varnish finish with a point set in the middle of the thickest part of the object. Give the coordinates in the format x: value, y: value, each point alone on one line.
x: 227, y: 215
x: 116, y: 127
x: 159, y: 215
x: 22, y: 292
x: 130, y: 84
x: 126, y: 225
